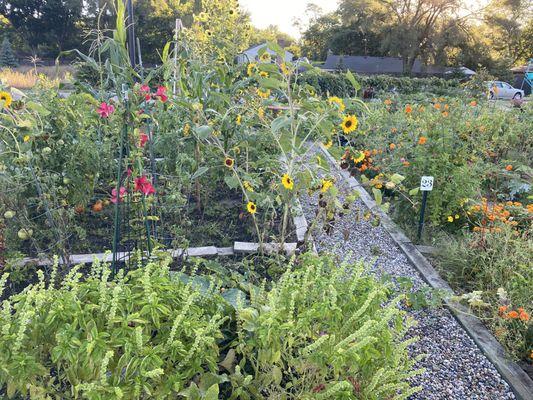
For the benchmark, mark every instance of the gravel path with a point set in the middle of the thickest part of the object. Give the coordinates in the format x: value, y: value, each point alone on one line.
x: 455, y: 367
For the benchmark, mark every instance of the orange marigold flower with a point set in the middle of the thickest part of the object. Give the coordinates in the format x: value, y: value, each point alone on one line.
x: 387, y: 102
x: 524, y: 316
x: 513, y: 314
x: 392, y: 146
x: 445, y: 113
x: 408, y: 109
x: 509, y: 167
x: 437, y: 106
x: 473, y: 103
x: 422, y: 140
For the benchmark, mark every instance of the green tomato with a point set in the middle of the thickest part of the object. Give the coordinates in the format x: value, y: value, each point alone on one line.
x: 9, y: 214
x: 24, y: 233
x: 46, y: 150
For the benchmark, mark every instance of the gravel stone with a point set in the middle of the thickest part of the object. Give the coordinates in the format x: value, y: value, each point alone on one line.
x: 456, y: 369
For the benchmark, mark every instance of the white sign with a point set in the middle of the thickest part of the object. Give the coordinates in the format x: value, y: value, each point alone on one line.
x: 426, y: 184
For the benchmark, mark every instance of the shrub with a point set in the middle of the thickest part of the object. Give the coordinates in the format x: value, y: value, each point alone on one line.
x: 327, y: 83
x: 135, y: 336
x: 321, y: 332
x: 497, y: 264
x: 7, y: 57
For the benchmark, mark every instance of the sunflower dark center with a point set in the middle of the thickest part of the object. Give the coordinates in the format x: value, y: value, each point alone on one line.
x: 348, y: 124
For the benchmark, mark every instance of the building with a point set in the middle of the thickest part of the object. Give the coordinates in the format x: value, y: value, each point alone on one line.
x: 519, y: 74
x: 252, y: 54
x: 368, y: 65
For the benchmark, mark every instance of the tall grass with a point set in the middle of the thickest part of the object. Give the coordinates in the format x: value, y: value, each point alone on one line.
x: 26, y: 77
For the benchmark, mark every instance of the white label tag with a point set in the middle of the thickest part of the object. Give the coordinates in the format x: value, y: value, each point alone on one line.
x: 426, y: 184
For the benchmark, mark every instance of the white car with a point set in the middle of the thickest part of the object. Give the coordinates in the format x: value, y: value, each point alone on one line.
x: 502, y: 90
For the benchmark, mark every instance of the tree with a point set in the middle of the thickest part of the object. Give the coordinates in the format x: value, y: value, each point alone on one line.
x: 7, y: 57
x: 51, y: 23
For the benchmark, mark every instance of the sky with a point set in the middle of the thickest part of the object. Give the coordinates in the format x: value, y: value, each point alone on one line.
x: 282, y: 12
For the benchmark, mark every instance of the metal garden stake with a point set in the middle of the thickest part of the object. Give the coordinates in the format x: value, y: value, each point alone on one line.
x: 426, y: 186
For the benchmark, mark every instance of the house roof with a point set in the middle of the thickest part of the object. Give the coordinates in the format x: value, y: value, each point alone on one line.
x: 377, y: 65
x: 255, y: 49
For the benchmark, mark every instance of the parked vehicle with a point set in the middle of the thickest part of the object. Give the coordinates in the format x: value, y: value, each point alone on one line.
x: 502, y: 90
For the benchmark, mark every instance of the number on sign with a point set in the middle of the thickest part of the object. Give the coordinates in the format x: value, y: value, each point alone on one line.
x: 426, y: 183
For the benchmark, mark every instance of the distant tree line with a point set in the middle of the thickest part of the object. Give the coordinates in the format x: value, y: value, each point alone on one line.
x: 496, y: 35
x: 45, y: 28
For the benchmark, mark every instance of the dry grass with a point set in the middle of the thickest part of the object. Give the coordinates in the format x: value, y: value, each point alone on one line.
x: 26, y: 77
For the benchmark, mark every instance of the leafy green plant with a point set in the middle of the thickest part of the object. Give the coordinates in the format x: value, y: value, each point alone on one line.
x: 139, y: 335
x: 322, y: 332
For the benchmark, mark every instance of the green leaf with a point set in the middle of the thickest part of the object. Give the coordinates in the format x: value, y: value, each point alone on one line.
x: 231, y: 181
x: 232, y: 295
x: 397, y: 178
x: 277, y: 375
x: 378, y: 197
x: 203, y: 132
x: 280, y: 123
x: 352, y: 80
x: 414, y: 191
x: 270, y: 83
x: 199, y: 172
x: 212, y: 393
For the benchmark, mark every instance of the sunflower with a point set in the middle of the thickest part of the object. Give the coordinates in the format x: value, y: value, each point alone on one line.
x: 263, y: 74
x: 360, y: 157
x: 263, y: 93
x: 287, y: 182
x: 326, y: 185
x: 252, y: 68
x: 6, y: 98
x: 229, y: 162
x: 338, y: 102
x: 251, y: 207
x: 284, y: 69
x: 238, y: 120
x: 248, y: 186
x: 265, y: 57
x: 328, y: 144
x: 349, y: 124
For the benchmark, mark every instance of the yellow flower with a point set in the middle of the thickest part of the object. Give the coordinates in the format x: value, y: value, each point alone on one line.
x: 251, y: 207
x: 349, y: 124
x: 284, y: 69
x: 360, y: 157
x: 238, y: 120
x: 265, y: 57
x: 228, y: 162
x: 248, y: 186
x: 328, y: 144
x: 338, y: 102
x: 186, y: 130
x: 450, y: 218
x: 26, y: 138
x: 287, y: 182
x: 263, y: 93
x: 251, y: 69
x: 261, y: 112
x: 6, y: 99
x: 326, y: 185
x: 263, y: 74
x: 457, y: 216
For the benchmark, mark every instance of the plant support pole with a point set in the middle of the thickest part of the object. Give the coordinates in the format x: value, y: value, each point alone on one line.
x: 131, y: 33
x: 422, y: 214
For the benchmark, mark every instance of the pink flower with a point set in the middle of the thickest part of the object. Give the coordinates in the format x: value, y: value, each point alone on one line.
x: 105, y: 110
x: 145, y: 89
x: 143, y: 139
x: 114, y: 197
x: 144, y: 186
x: 129, y: 171
x: 161, y: 93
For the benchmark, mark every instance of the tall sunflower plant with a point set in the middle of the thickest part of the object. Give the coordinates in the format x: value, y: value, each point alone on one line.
x: 296, y: 120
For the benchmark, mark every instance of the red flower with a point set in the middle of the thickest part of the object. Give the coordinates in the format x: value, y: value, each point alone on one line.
x: 143, y: 139
x: 145, y: 89
x: 144, y: 186
x: 115, y: 198
x: 161, y: 93
x: 105, y: 110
